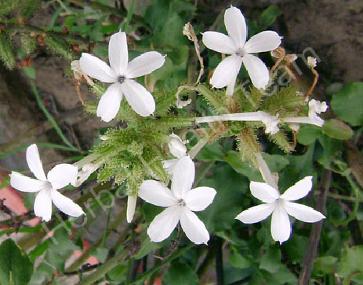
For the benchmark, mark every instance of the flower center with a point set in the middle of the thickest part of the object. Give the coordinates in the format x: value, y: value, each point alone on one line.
x: 181, y: 203
x: 121, y: 79
x: 240, y: 52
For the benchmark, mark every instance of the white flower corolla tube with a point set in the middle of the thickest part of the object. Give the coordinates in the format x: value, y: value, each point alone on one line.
x: 180, y: 203
x: 131, y: 207
x: 271, y: 122
x: 46, y: 186
x: 121, y: 74
x: 265, y: 171
x: 178, y: 149
x: 85, y: 172
x: 315, y: 108
x: 280, y: 207
x: 234, y: 44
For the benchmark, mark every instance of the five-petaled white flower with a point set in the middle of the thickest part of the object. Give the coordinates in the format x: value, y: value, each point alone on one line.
x: 179, y: 203
x: 121, y: 74
x: 178, y: 149
x: 46, y: 186
x: 280, y: 206
x: 240, y: 52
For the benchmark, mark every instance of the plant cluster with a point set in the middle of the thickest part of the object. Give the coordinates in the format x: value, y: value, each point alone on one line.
x: 238, y: 123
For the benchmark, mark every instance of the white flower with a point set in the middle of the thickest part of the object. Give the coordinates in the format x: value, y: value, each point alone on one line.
x: 312, y: 62
x: 280, y: 206
x: 179, y: 204
x: 178, y: 149
x: 120, y: 73
x: 315, y: 108
x: 240, y: 52
x: 60, y: 176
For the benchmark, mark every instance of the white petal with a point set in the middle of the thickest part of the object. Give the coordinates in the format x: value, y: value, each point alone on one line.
x: 183, y: 177
x: 280, y: 225
x: 257, y: 71
x: 131, y: 206
x: 264, y: 192
x: 303, y: 213
x: 26, y: 184
x: 65, y: 204
x: 256, y: 214
x: 219, y: 42
x: 43, y: 205
x: 62, y: 174
x: 140, y: 100
x: 231, y: 85
x: 156, y: 193
x: 262, y: 42
x: 199, y: 198
x: 226, y: 71
x: 96, y: 68
x: 236, y: 25
x: 163, y: 224
x: 145, y: 64
x: 169, y: 165
x: 109, y: 103
x: 118, y: 53
x: 176, y: 146
x: 193, y: 227
x: 34, y: 163
x: 299, y: 189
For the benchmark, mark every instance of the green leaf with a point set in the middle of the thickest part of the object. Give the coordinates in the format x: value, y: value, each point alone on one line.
x: 271, y: 261
x: 350, y: 266
x: 230, y: 187
x: 269, y: 16
x: 180, y: 274
x: 237, y: 260
x: 119, y: 273
x: 308, y: 134
x: 337, y: 129
x: 211, y: 152
x: 233, y: 158
x: 15, y: 266
x: 348, y: 102
x: 325, y: 265
x: 147, y: 246
x: 275, y: 162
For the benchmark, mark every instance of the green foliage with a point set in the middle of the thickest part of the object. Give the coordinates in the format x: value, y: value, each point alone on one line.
x: 15, y: 266
x: 308, y: 134
x: 58, y: 47
x: 348, y: 102
x: 337, y: 129
x: 350, y: 266
x: 135, y: 149
x: 23, y: 8
x: 28, y: 43
x: 282, y: 141
x: 6, y: 51
x: 269, y: 16
x: 180, y: 274
x: 286, y: 102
